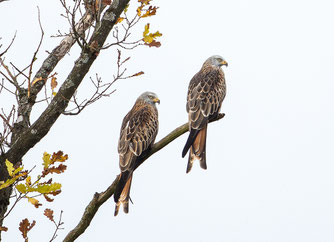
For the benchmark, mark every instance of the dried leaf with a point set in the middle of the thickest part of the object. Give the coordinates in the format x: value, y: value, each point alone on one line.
x: 34, y: 202
x: 60, y: 169
x: 10, y: 167
x: 154, y: 44
x: 119, y: 20
x: 58, y: 157
x: 47, y: 198
x: 138, y: 74
x: 54, y: 83
x: 3, y: 228
x: 25, y: 227
x: 55, y: 193
x: 150, y: 12
x: 49, y: 214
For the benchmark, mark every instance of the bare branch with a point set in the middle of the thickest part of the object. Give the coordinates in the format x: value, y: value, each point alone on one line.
x: 100, y: 198
x: 35, y: 54
x: 11, y: 78
x: 101, y: 89
x: 58, y: 226
x: 9, y: 44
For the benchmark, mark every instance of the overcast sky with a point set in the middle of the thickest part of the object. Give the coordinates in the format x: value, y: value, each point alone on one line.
x: 270, y: 160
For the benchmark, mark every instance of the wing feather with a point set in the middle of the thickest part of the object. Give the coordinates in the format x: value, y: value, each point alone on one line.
x: 138, y: 132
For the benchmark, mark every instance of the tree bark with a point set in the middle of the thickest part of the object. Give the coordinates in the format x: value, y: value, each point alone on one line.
x: 27, y: 137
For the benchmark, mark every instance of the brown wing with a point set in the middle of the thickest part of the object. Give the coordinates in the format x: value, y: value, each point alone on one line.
x: 205, y: 96
x: 138, y: 132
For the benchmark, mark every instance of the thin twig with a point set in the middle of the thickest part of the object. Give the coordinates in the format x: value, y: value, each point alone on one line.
x: 9, y: 45
x: 35, y: 54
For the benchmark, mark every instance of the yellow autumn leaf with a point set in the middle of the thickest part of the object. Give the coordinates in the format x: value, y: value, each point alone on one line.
x: 21, y: 188
x: 10, y: 167
x: 139, y: 11
x: 7, y: 183
x: 33, y: 201
x: 150, y: 12
x: 46, y: 160
x: 17, y: 171
x: 28, y: 181
x: 119, y: 20
x: 46, y: 188
x: 148, y: 39
x: 147, y: 30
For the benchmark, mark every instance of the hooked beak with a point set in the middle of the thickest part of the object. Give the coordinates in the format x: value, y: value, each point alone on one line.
x: 224, y: 63
x: 156, y: 100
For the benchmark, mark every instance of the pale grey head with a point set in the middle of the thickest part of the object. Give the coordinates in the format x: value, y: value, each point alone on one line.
x: 216, y: 60
x: 149, y: 97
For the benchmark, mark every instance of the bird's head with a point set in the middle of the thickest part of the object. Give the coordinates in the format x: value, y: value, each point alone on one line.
x: 217, y: 60
x: 150, y: 97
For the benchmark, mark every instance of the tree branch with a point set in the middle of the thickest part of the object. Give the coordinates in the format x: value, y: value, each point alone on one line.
x: 100, y: 198
x: 24, y: 139
x: 42, y: 125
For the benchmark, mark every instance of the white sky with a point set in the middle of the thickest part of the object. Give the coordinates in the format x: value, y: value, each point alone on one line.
x: 270, y: 160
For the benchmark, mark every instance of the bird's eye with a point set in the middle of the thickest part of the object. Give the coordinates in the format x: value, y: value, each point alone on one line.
x: 150, y: 96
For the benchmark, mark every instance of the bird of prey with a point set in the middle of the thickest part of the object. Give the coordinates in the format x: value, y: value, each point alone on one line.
x: 138, y: 132
x: 206, y: 93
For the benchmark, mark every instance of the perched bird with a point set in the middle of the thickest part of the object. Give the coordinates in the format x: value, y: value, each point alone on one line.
x: 206, y: 93
x: 138, y: 132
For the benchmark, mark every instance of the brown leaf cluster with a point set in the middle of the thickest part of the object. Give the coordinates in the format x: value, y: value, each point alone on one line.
x: 154, y: 43
x: 25, y: 227
x: 59, y: 169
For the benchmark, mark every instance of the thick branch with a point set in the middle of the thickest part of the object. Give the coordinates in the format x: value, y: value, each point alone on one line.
x: 28, y: 137
x: 100, y: 198
x: 41, y: 127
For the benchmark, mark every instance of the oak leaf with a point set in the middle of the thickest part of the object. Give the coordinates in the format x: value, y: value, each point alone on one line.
x: 10, y: 167
x: 46, y: 160
x: 59, y: 156
x: 34, y: 202
x: 49, y: 214
x: 22, y: 188
x: 25, y: 227
x: 149, y: 12
x: 47, y: 198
